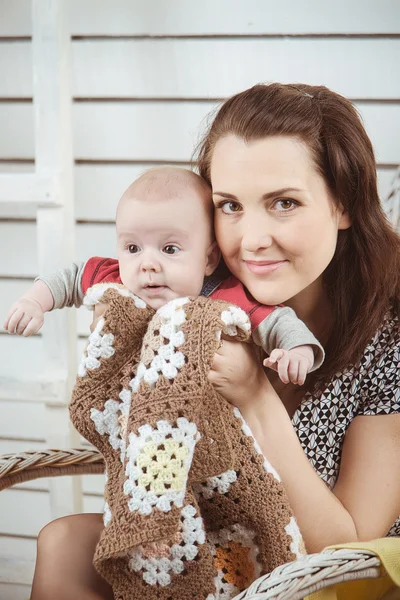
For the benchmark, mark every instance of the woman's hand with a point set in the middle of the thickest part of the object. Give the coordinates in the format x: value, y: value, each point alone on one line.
x: 237, y: 374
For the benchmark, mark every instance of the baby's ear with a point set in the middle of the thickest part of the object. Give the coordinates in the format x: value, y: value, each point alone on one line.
x: 213, y: 258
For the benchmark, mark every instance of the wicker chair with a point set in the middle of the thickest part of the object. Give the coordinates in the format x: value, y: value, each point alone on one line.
x: 292, y: 581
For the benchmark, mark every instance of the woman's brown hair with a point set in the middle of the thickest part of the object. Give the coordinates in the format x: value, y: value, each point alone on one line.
x: 363, y: 278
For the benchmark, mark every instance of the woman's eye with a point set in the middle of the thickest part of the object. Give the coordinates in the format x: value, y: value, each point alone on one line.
x: 170, y: 249
x: 229, y: 207
x: 286, y: 204
x: 133, y: 249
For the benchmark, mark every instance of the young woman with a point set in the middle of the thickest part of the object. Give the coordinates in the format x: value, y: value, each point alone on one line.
x: 298, y: 221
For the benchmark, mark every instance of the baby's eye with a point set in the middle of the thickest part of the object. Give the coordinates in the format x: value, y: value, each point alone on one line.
x: 229, y: 207
x: 133, y: 249
x: 170, y: 249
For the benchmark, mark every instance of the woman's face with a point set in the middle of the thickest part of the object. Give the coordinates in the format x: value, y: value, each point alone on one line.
x: 275, y: 221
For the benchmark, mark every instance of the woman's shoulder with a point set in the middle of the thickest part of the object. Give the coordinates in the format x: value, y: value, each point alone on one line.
x: 385, y: 343
x: 371, y: 386
x: 379, y: 370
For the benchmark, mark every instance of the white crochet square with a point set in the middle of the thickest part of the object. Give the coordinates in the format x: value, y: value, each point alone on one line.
x: 109, y: 421
x: 158, y: 560
x: 99, y: 346
x: 219, y: 484
x: 158, y: 465
x: 235, y: 318
x: 168, y: 360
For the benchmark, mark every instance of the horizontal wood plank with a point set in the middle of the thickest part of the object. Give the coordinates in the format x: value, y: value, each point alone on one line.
x: 91, y: 240
x: 163, y: 68
x: 159, y: 131
x: 21, y: 521
x: 11, y: 591
x: 25, y: 378
x: 17, y: 563
x: 15, y: 18
x: 17, y: 547
x: 16, y: 571
x: 228, y: 17
x: 22, y: 420
x: 97, y: 189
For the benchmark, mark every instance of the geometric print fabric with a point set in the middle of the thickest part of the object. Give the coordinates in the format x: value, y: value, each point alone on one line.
x: 371, y: 387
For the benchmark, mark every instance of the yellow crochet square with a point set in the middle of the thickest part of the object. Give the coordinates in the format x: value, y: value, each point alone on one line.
x: 163, y: 468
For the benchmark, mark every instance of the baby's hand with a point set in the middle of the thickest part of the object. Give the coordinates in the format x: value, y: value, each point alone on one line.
x: 25, y: 317
x: 291, y: 365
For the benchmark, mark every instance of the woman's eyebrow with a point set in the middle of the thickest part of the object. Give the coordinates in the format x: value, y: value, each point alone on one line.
x: 266, y: 196
x: 225, y: 195
x: 280, y: 192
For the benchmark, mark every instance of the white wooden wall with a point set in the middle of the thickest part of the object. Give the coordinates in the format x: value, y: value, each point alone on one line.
x: 145, y: 75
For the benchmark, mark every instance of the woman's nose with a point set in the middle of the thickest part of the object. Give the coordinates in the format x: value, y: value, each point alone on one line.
x: 256, y: 236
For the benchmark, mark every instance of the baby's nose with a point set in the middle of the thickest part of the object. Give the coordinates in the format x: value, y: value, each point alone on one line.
x: 150, y: 264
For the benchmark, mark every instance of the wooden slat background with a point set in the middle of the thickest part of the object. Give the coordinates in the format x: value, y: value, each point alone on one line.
x: 146, y: 75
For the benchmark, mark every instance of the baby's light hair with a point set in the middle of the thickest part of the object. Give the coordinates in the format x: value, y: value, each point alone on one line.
x: 167, y: 179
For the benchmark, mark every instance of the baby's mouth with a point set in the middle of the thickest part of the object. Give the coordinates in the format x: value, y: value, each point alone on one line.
x: 152, y: 288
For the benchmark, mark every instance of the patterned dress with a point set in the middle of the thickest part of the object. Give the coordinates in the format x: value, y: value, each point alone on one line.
x: 371, y: 387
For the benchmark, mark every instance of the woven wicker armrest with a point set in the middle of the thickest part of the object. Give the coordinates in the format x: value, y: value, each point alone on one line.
x: 291, y: 581
x: 294, y: 581
x: 25, y: 466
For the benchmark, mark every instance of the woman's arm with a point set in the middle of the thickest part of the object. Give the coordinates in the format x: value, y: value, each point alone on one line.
x: 367, y: 480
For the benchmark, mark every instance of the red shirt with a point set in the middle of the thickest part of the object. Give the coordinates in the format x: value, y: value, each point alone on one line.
x: 106, y: 270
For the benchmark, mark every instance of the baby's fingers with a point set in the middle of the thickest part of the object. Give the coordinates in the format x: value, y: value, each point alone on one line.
x: 12, y: 322
x: 10, y: 314
x: 8, y: 317
x: 273, y: 359
x: 303, y: 370
x: 20, y: 329
x: 32, y: 327
x: 283, y: 367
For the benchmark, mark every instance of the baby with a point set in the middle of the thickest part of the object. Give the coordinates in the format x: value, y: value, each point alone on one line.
x: 166, y: 248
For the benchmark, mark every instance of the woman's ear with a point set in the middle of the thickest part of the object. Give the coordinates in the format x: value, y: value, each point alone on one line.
x: 344, y: 221
x: 213, y: 258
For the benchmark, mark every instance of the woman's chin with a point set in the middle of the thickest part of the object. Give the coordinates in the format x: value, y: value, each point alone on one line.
x: 267, y: 294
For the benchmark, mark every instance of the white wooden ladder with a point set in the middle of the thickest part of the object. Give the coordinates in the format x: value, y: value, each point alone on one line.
x: 50, y: 190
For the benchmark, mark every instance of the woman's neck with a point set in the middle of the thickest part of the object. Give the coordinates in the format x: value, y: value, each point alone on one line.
x: 313, y: 308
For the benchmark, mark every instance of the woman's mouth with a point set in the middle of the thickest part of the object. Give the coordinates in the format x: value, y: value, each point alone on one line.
x: 263, y: 267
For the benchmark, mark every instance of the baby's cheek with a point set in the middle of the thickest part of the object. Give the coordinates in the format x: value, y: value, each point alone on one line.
x: 128, y: 280
x: 189, y: 281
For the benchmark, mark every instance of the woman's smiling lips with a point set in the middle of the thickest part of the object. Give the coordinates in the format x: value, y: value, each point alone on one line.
x: 263, y: 267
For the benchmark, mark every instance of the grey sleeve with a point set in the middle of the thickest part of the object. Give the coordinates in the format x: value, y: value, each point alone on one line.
x: 66, y: 286
x: 283, y: 329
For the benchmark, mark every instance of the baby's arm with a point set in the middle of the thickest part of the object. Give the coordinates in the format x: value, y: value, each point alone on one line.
x: 293, y: 350
x: 26, y: 315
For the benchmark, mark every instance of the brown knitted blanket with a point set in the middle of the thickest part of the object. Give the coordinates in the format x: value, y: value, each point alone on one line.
x: 193, y: 510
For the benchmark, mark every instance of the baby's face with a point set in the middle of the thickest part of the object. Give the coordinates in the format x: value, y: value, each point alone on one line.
x: 164, y: 244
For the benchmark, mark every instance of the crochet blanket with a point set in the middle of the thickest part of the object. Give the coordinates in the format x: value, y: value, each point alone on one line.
x: 193, y: 510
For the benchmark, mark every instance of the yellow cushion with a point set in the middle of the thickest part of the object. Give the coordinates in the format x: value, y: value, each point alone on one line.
x: 388, y: 550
